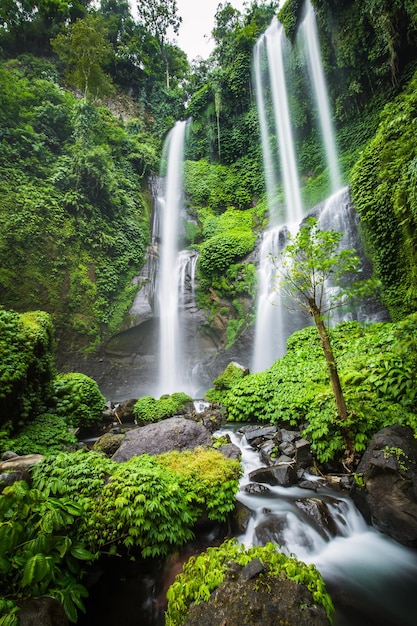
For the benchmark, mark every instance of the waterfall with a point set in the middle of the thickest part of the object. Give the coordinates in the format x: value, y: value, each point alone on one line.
x: 270, y: 48
x: 271, y: 329
x: 309, y: 35
x: 170, y: 205
x: 274, y: 324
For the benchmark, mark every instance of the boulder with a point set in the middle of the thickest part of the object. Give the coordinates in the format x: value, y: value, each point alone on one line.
x: 43, y: 611
x: 8, y: 478
x: 283, y: 473
x: 319, y: 515
x: 240, y: 518
x: 174, y: 433
x: 231, y: 451
x: 243, y: 599
x: 20, y: 462
x: 303, y: 456
x: 386, y: 489
x: 109, y: 443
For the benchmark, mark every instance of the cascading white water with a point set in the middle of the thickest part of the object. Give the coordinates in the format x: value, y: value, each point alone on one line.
x: 309, y: 36
x: 371, y: 572
x: 170, y: 206
x: 271, y: 330
x: 273, y: 41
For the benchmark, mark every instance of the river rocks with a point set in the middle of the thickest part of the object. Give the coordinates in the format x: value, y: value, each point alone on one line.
x: 15, y: 463
x: 243, y: 599
x: 319, y: 515
x: 174, y: 433
x: 109, y: 443
x: 283, y: 473
x: 386, y: 492
x: 274, y: 443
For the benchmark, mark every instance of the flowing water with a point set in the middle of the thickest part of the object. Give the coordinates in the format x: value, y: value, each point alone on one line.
x: 170, y: 205
x: 275, y: 319
x: 371, y: 578
x: 308, y: 35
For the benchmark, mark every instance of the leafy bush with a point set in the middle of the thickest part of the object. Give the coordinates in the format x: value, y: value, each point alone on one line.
x: 148, y: 502
x: 46, y: 434
x: 201, y: 575
x: 225, y: 381
x: 26, y: 364
x: 38, y: 552
x: 210, y: 480
x: 148, y: 409
x: 222, y: 250
x: 377, y: 367
x: 77, y: 399
x: 141, y: 505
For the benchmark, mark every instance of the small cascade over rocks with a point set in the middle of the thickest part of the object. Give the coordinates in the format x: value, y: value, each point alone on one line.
x: 370, y: 577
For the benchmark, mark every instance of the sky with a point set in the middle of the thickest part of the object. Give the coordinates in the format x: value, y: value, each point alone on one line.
x: 197, y: 24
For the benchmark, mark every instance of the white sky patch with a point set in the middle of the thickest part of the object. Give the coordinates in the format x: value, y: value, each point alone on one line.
x: 197, y: 23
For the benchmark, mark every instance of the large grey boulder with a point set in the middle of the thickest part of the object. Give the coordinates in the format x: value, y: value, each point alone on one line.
x: 174, y: 433
x: 243, y: 599
x: 386, y: 491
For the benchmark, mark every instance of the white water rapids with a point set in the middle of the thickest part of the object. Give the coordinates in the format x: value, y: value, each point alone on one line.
x: 372, y: 579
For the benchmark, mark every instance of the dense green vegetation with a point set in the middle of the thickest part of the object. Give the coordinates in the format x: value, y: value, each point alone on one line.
x: 78, y: 139
x: 376, y: 364
x: 148, y: 409
x: 384, y: 191
x: 82, y: 504
x: 39, y: 406
x: 203, y: 574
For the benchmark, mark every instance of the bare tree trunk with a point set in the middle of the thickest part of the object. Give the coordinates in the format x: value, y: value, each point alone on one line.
x: 334, y: 376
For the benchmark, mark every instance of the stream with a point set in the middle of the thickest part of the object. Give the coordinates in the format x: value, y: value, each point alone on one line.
x: 371, y: 578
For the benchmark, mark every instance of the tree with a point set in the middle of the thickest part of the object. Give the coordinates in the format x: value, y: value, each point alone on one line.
x: 158, y: 16
x: 311, y: 264
x: 83, y: 46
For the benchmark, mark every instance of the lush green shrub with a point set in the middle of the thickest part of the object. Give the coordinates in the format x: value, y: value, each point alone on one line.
x: 210, y: 480
x: 377, y: 367
x: 38, y: 552
x: 77, y: 399
x: 201, y: 575
x: 141, y: 505
x: 77, y: 475
x: 26, y: 365
x: 148, y: 502
x: 222, y: 250
x: 46, y: 434
x: 148, y: 409
x: 225, y: 381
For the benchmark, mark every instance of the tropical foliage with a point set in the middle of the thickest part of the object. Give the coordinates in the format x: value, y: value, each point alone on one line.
x: 201, y: 575
x: 148, y: 409
x: 376, y: 365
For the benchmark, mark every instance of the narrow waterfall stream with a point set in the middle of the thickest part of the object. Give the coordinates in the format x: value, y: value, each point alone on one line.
x: 371, y: 578
x: 310, y: 40
x: 170, y: 204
